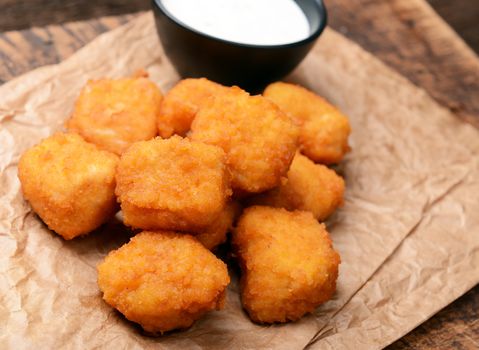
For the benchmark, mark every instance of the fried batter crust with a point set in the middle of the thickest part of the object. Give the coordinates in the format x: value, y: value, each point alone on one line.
x: 216, y: 233
x: 69, y: 183
x: 289, y: 266
x: 182, y: 102
x: 172, y: 184
x: 324, y: 130
x: 114, y: 113
x: 163, y: 280
x: 310, y: 187
x: 258, y: 138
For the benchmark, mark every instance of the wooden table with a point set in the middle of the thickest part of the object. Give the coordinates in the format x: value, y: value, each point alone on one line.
x: 406, y: 35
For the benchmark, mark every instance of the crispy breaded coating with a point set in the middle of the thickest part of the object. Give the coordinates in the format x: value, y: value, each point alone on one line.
x: 288, y: 264
x: 324, y: 129
x: 216, y: 234
x: 310, y: 187
x: 182, y: 102
x: 259, y: 139
x: 69, y: 183
x: 172, y: 184
x: 163, y: 280
x: 114, y: 113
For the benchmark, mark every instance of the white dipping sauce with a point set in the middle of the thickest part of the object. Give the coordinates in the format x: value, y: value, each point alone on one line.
x: 256, y: 22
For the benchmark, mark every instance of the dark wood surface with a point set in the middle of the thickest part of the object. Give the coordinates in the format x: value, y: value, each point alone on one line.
x: 463, y: 16
x: 407, y: 35
x: 412, y: 39
x: 23, y: 14
x: 455, y: 327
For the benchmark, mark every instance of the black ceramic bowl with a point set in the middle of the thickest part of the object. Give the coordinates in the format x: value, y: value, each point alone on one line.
x: 252, y: 67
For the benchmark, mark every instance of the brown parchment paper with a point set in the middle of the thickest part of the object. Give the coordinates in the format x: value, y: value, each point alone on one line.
x: 409, y: 159
x: 439, y: 260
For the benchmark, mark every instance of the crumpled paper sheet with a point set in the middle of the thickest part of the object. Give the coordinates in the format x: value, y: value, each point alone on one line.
x: 409, y: 159
x: 439, y: 260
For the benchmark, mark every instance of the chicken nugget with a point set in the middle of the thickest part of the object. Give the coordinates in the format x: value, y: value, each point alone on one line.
x: 216, y: 233
x: 288, y: 263
x: 113, y: 114
x: 258, y: 138
x: 182, y: 102
x: 310, y: 187
x: 324, y: 130
x: 163, y: 280
x: 172, y: 184
x: 69, y: 183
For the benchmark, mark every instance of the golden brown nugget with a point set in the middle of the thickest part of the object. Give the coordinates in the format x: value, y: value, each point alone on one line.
x: 114, y: 113
x: 182, y: 102
x: 310, y: 187
x: 172, y: 184
x: 163, y: 280
x: 324, y: 129
x: 216, y: 234
x: 69, y: 183
x: 258, y: 138
x: 289, y: 266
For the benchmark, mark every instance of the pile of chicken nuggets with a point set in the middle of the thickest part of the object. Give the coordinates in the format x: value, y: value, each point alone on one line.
x: 205, y: 165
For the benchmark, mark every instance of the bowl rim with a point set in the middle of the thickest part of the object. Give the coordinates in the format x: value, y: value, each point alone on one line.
x: 323, y: 14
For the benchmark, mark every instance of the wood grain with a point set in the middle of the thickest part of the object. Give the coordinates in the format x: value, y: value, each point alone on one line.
x: 24, y: 50
x: 463, y: 16
x: 455, y: 327
x: 23, y: 14
x: 412, y: 39
x: 406, y: 35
